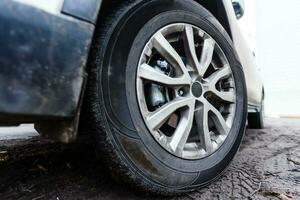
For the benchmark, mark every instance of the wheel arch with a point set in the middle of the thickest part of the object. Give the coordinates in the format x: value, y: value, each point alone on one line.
x: 215, y: 7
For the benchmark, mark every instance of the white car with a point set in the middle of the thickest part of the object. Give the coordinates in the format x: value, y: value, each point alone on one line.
x: 165, y: 87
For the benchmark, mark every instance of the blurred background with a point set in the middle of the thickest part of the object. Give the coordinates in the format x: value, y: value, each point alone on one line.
x: 272, y: 28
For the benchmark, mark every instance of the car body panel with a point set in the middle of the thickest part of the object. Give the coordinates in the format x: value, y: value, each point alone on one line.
x: 253, y: 80
x: 53, y: 6
x: 82, y: 10
x: 42, y: 57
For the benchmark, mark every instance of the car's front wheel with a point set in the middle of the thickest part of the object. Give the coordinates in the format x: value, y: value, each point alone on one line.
x: 166, y: 95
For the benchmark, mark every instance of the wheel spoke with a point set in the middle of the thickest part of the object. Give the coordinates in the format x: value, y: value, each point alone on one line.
x: 206, y: 56
x: 168, y: 52
x: 183, y: 130
x: 213, y: 79
x: 222, y: 73
x: 189, y: 46
x: 158, y: 117
x: 149, y: 73
x: 218, y: 119
x: 201, y: 116
x: 225, y: 96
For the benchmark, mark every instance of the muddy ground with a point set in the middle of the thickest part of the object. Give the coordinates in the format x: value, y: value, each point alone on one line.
x: 266, y: 167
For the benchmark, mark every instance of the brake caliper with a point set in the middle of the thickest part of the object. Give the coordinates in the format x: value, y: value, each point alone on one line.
x: 158, y: 95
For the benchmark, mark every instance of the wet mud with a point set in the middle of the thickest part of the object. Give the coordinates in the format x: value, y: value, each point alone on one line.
x: 267, y: 166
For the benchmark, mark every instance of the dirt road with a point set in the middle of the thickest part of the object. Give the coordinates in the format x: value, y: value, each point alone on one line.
x: 266, y: 167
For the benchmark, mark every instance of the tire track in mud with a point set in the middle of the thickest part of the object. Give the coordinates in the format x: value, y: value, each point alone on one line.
x: 262, y: 169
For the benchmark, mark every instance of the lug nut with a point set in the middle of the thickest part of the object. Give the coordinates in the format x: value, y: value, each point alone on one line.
x: 180, y: 92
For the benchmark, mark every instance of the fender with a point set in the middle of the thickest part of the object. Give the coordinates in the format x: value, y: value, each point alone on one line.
x: 217, y: 9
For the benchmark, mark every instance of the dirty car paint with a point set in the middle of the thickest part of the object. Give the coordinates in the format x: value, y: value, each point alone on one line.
x: 42, y: 60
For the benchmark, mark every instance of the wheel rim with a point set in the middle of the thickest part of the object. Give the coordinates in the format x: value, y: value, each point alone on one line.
x: 186, y: 91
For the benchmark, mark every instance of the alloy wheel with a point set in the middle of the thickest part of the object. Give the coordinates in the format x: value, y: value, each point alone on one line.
x: 186, y: 91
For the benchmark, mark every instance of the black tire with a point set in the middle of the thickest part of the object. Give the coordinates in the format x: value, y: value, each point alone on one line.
x: 111, y: 106
x: 257, y: 120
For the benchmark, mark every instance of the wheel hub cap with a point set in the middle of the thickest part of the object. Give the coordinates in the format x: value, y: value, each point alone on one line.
x: 197, y: 89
